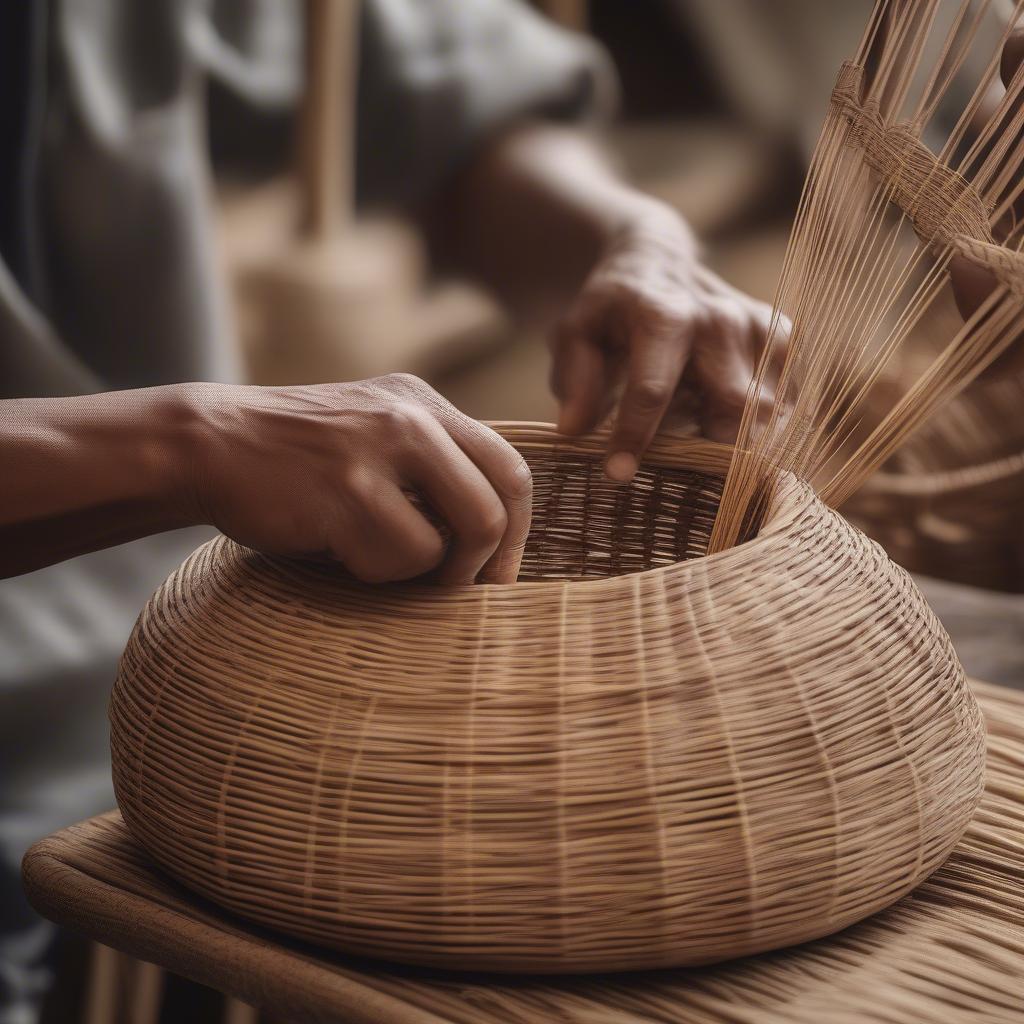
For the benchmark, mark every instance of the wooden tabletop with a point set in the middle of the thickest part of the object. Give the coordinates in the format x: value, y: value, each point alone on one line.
x: 953, y: 950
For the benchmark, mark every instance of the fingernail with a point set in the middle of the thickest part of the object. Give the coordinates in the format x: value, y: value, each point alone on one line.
x: 621, y: 467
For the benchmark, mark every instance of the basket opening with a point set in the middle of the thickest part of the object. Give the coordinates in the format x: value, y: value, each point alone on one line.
x: 586, y: 527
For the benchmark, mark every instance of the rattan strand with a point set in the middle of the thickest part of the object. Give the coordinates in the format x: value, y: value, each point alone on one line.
x: 919, y: 164
x: 636, y: 758
x: 953, y: 953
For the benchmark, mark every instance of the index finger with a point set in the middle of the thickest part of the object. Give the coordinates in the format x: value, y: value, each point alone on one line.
x: 655, y: 365
x: 507, y: 472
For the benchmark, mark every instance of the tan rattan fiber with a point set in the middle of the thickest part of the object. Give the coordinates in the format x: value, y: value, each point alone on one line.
x: 712, y: 718
x: 951, y: 952
x: 636, y: 758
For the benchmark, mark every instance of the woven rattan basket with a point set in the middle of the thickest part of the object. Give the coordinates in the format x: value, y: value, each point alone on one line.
x: 638, y: 756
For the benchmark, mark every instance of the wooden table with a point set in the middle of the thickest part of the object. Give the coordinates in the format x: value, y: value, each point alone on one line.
x: 951, y: 952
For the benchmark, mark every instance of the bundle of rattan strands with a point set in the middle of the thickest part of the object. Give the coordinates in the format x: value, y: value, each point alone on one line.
x: 637, y: 756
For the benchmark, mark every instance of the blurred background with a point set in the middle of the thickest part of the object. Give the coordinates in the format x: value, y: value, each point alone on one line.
x: 716, y: 111
x: 716, y: 115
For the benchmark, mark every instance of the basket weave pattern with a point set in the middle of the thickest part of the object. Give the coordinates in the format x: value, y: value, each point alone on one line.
x: 635, y: 757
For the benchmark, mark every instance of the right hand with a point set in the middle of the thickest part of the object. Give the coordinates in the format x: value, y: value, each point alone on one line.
x: 651, y: 316
x: 327, y: 470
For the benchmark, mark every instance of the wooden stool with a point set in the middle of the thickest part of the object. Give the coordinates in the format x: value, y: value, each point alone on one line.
x: 953, y: 950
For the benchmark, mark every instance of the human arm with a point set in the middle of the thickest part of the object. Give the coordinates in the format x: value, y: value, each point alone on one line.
x: 316, y: 471
x: 541, y: 216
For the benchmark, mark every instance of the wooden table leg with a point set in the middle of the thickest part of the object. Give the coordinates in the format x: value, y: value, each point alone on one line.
x: 121, y: 988
x: 102, y: 992
x: 146, y: 992
x: 237, y: 1012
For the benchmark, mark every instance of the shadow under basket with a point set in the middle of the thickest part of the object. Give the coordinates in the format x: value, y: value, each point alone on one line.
x: 638, y: 756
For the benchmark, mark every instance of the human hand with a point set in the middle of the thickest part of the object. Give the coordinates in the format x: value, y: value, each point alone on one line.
x: 972, y: 283
x: 327, y: 470
x: 651, y: 313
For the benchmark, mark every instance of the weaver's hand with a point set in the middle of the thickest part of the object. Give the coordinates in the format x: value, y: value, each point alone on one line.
x: 328, y: 470
x: 973, y: 284
x: 651, y: 314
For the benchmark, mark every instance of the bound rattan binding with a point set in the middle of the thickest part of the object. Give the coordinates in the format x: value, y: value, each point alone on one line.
x: 917, y: 165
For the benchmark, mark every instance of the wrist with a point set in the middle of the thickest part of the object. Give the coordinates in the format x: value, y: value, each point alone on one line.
x: 91, y: 471
x: 183, y: 420
x: 648, y: 221
x: 161, y: 434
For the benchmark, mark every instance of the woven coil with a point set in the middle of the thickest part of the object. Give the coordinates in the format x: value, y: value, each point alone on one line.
x: 638, y: 756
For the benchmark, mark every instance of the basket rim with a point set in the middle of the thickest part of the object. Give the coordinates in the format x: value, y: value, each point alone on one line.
x: 788, y: 502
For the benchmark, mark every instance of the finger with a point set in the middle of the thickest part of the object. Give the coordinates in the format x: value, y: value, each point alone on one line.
x: 579, y: 378
x: 482, y: 468
x: 386, y: 538
x: 972, y: 284
x: 656, y: 363
x: 510, y: 479
x: 482, y: 488
x: 722, y: 409
x: 1012, y: 57
x: 772, y: 331
x: 724, y: 368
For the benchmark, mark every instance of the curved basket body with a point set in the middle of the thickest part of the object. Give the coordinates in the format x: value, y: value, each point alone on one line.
x: 637, y: 758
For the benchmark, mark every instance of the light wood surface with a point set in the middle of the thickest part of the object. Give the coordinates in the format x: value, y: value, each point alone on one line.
x: 952, y: 950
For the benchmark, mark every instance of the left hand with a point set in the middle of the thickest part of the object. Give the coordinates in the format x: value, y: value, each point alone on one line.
x: 650, y: 312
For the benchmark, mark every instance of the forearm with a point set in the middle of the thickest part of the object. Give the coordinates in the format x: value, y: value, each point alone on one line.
x: 532, y: 214
x: 87, y: 472
x: 323, y: 471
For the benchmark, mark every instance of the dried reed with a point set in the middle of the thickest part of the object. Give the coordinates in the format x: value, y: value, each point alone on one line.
x: 880, y: 219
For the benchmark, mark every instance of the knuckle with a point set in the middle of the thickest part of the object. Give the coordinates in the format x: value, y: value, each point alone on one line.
x: 783, y: 328
x: 520, y: 485
x: 732, y: 398
x: 490, y: 523
x: 578, y: 329
x: 728, y: 320
x: 359, y: 483
x: 404, y: 382
x: 425, y: 554
x: 403, y: 418
x: 649, y: 396
x: 509, y: 472
x: 656, y: 318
